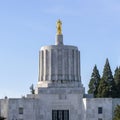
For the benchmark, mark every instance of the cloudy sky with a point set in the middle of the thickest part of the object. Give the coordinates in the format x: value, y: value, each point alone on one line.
x: 26, y: 25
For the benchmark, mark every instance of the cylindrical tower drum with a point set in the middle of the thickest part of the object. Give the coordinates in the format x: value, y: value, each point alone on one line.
x: 59, y: 63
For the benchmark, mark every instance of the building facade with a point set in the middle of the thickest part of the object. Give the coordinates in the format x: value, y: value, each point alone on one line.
x: 59, y: 94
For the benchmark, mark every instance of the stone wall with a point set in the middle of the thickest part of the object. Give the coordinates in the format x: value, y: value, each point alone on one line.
x: 93, y: 104
x: 4, y: 107
x: 61, y: 99
x: 39, y: 107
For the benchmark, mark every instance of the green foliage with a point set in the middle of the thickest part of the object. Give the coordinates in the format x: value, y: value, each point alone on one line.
x: 2, y: 118
x: 102, y: 89
x: 32, y: 90
x: 117, y: 113
x: 117, y: 81
x: 107, y: 73
x: 107, y: 84
x: 94, y: 82
x: 116, y: 77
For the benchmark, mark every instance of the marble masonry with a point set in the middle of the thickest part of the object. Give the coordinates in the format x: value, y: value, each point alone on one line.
x: 59, y: 93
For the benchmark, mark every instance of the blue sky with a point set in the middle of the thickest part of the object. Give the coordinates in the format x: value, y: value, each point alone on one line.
x: 26, y: 25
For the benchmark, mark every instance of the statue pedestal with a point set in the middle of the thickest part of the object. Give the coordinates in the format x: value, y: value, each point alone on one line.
x: 59, y: 40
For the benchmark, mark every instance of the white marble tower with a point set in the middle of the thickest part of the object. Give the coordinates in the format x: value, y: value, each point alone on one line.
x: 59, y: 64
x: 59, y: 84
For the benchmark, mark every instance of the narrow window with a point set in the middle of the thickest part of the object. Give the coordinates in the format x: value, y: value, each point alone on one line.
x: 20, y: 110
x: 100, y: 110
x: 99, y: 118
x: 60, y: 114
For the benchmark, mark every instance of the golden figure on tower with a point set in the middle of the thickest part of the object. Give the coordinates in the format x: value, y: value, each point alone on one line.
x: 59, y: 27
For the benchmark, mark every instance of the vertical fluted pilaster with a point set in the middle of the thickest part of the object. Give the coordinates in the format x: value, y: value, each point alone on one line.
x: 50, y: 67
x: 72, y: 65
x: 41, y: 65
x: 59, y: 63
x: 78, y: 65
x: 66, y: 64
x: 63, y: 65
x: 44, y: 65
x: 47, y: 63
x: 69, y: 65
x: 56, y: 65
x: 75, y: 60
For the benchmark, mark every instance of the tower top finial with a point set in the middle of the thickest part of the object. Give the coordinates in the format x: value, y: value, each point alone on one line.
x: 59, y: 36
x: 59, y: 27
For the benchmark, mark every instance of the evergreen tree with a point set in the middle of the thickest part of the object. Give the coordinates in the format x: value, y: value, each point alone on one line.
x: 2, y: 118
x: 117, y: 81
x: 117, y: 113
x: 94, y: 82
x: 107, y: 83
x: 32, y: 89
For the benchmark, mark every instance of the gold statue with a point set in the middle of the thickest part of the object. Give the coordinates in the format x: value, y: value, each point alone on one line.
x: 59, y: 27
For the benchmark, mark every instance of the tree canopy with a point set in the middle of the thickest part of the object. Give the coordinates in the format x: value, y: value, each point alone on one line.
x: 117, y: 113
x: 117, y: 81
x: 2, y: 118
x: 94, y: 82
x: 107, y: 85
x: 32, y: 90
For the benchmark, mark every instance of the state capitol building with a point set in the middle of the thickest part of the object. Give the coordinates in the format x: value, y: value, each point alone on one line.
x: 59, y: 93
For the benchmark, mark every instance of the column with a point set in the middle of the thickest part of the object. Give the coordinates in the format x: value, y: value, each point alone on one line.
x: 75, y: 65
x: 44, y: 65
x: 50, y: 67
x: 56, y: 64
x: 79, y: 66
x: 47, y: 64
x: 69, y: 65
x: 41, y: 62
x: 63, y: 64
